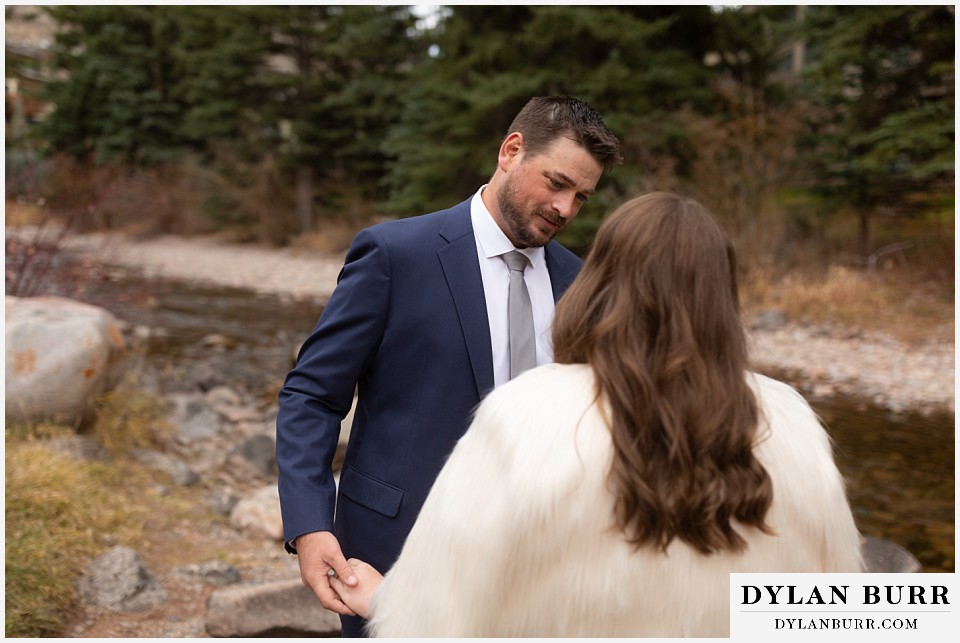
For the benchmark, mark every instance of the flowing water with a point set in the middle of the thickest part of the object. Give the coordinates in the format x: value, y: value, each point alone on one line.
x: 900, y: 472
x: 899, y: 468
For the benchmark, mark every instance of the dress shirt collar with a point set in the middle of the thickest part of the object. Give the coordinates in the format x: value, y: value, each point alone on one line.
x: 491, y: 239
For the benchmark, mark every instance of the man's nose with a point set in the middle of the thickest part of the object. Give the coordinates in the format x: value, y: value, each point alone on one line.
x: 566, y: 206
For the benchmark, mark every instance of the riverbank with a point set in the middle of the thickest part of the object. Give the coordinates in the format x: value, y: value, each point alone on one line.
x: 823, y: 360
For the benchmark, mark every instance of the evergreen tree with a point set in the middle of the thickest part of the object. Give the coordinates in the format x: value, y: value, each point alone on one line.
x: 219, y: 57
x: 883, y: 80
x: 629, y: 63
x: 143, y: 84
x: 116, y: 100
x: 338, y: 95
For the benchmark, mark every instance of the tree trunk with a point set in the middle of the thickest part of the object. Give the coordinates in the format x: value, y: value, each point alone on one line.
x: 304, y: 199
x: 864, y: 231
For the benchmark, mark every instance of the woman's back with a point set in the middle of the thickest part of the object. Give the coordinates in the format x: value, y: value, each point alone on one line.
x: 519, y: 538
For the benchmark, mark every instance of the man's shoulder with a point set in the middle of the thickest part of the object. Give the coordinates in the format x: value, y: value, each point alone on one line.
x: 420, y: 224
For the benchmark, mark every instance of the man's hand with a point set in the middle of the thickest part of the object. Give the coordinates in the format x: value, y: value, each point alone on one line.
x: 318, y: 552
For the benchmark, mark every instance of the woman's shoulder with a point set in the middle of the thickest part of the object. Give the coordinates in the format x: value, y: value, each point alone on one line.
x: 788, y: 424
x: 778, y: 398
x: 546, y: 386
x: 548, y: 401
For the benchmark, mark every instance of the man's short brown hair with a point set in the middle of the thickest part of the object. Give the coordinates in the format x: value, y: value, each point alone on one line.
x: 545, y: 118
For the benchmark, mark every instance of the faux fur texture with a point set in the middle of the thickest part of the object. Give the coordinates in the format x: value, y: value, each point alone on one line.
x: 517, y: 537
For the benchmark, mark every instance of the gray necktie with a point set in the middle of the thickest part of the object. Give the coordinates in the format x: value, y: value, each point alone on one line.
x: 523, y: 345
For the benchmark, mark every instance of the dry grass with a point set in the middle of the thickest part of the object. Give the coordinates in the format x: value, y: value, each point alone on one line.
x: 18, y: 214
x: 60, y: 511
x: 129, y: 418
x: 904, y: 305
x: 57, y: 510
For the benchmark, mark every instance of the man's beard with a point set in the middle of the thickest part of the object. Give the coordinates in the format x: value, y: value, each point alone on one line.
x: 518, y: 223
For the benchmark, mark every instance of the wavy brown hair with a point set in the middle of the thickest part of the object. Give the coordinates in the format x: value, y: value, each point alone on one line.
x: 655, y: 314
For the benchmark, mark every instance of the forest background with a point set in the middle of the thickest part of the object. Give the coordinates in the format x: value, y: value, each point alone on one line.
x: 819, y: 135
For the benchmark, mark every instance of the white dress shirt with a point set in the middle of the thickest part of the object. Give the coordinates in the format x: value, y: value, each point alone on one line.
x: 491, y: 244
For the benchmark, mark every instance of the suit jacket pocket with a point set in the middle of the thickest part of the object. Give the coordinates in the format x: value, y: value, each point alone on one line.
x: 370, y: 492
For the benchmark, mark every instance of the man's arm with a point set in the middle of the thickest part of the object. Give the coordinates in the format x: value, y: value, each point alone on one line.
x: 318, y: 392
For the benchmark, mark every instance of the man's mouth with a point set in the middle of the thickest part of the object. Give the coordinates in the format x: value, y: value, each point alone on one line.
x: 555, y: 223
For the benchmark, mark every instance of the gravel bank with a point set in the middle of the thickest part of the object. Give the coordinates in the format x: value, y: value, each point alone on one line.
x: 822, y: 361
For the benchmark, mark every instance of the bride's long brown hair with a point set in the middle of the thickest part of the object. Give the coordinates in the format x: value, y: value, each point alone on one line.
x: 655, y: 314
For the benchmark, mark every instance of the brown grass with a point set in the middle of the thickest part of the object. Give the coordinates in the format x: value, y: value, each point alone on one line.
x: 905, y: 305
x: 57, y: 511
x: 61, y: 512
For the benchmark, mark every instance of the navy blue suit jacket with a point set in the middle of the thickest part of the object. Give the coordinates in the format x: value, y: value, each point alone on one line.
x: 407, y: 325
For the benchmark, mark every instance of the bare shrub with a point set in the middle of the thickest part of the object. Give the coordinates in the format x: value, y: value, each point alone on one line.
x: 72, y: 190
x: 744, y: 159
x: 33, y: 243
x: 165, y: 199
x: 249, y: 202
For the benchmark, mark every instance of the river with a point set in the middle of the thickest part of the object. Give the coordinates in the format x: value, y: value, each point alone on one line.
x: 899, y: 467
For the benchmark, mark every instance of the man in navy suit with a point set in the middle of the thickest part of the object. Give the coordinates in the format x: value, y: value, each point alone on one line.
x: 417, y: 326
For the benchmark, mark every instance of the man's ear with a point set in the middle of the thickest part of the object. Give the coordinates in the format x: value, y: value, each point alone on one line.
x: 511, y: 151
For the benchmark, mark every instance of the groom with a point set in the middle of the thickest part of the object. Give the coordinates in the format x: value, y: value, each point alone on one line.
x: 418, y: 326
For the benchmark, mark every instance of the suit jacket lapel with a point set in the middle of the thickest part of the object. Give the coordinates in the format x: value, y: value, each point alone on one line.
x: 462, y: 271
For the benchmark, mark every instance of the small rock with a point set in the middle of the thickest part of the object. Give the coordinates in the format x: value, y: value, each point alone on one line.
x: 213, y: 572
x: 180, y: 474
x: 193, y: 418
x: 222, y: 395
x: 259, y: 514
x: 206, y: 376
x: 222, y: 502
x: 118, y: 581
x: 259, y: 453
x: 218, y: 342
x: 883, y: 556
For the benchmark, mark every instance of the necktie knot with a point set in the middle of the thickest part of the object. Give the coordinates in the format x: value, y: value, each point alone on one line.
x: 516, y: 260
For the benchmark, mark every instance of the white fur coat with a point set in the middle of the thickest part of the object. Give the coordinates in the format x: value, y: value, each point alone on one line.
x: 517, y: 537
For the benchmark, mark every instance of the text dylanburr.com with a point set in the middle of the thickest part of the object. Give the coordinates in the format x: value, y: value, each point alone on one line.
x: 844, y: 607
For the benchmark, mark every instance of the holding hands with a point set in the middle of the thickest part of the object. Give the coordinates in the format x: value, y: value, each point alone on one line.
x: 357, y: 597
x: 342, y: 586
x: 320, y: 556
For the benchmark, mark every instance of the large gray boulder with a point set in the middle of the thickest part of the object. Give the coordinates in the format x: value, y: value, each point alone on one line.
x: 60, y: 355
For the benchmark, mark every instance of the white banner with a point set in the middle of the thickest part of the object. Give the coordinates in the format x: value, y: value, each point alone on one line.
x: 844, y: 607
